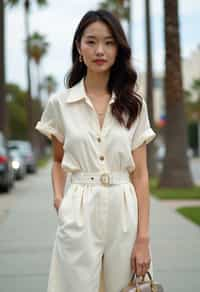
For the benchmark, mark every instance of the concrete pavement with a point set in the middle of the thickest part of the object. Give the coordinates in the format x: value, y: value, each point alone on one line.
x: 28, y: 227
x: 26, y: 236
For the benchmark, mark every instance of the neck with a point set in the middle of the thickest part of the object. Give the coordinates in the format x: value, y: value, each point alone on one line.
x: 96, y: 83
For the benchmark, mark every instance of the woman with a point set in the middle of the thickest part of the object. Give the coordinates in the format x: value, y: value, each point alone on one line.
x: 99, y: 128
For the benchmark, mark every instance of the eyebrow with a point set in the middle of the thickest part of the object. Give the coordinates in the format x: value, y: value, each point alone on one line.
x: 93, y: 37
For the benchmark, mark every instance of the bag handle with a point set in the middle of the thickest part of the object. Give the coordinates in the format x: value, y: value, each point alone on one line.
x: 135, y: 276
x: 137, y: 282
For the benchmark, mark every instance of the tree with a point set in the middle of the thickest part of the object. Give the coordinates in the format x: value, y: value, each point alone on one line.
x: 3, y: 119
x: 37, y: 48
x: 121, y: 9
x: 27, y: 5
x: 176, y: 172
x: 17, y: 113
x: 152, y: 166
x: 49, y: 84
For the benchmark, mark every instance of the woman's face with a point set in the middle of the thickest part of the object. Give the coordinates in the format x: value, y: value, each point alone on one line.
x: 98, y: 47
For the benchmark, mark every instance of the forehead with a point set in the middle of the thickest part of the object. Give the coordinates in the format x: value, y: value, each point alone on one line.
x: 97, y: 29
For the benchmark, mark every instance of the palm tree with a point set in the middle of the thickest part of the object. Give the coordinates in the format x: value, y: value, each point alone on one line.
x: 49, y: 84
x: 37, y: 48
x: 176, y: 172
x: 149, y: 88
x: 27, y: 5
x: 121, y: 9
x: 2, y: 72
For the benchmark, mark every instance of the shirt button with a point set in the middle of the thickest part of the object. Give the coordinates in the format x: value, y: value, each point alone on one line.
x: 101, y: 157
x: 99, y: 139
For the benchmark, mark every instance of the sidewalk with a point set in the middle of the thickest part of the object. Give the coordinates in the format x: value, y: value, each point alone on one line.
x: 27, y: 235
x: 181, y: 203
x: 176, y: 252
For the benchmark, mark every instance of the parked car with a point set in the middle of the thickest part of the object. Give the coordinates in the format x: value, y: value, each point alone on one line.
x: 18, y: 164
x: 25, y: 148
x: 6, y: 170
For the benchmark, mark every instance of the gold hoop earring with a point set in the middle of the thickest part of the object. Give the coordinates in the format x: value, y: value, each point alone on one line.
x: 80, y: 59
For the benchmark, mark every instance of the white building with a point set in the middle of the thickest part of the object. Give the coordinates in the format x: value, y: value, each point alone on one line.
x: 190, y: 70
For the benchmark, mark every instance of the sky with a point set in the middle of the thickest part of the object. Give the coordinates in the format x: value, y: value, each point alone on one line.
x: 58, y: 23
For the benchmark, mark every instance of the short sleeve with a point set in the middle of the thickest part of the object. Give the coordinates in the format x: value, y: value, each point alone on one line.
x: 50, y: 122
x: 142, y: 131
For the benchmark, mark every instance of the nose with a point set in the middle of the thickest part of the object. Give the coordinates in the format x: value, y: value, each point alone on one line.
x: 100, y: 50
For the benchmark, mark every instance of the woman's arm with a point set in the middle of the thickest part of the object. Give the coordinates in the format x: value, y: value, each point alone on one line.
x: 140, y: 179
x: 58, y: 174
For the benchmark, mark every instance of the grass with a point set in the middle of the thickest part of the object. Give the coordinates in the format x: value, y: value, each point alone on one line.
x: 173, y: 193
x: 191, y: 213
x: 43, y: 161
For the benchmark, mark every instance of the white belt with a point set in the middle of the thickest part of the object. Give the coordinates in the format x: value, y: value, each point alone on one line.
x: 105, y: 178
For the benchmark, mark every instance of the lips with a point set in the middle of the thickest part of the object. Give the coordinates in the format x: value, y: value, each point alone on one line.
x: 100, y: 61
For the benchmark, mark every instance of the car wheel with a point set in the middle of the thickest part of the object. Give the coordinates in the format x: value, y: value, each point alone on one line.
x: 6, y: 188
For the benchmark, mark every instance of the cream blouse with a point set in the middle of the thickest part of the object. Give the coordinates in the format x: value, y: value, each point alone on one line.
x: 72, y: 118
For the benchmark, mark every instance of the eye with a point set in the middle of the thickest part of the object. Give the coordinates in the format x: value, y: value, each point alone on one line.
x: 90, y: 42
x: 110, y: 43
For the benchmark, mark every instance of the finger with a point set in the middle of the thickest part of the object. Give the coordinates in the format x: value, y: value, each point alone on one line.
x: 138, y: 268
x: 144, y: 269
x: 56, y: 210
x: 147, y: 265
x: 133, y: 265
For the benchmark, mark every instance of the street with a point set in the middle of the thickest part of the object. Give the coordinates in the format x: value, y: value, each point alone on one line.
x: 27, y: 230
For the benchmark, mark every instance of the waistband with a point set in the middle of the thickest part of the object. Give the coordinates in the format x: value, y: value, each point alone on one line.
x: 104, y: 178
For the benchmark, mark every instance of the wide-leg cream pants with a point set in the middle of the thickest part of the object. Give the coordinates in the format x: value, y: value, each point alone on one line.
x: 94, y: 221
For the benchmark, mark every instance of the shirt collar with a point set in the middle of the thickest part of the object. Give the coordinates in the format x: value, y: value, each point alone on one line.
x: 77, y: 92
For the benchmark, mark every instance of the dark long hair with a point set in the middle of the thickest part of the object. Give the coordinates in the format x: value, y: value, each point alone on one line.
x: 122, y: 78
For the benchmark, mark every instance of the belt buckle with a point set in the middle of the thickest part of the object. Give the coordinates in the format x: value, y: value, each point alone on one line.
x: 105, y: 179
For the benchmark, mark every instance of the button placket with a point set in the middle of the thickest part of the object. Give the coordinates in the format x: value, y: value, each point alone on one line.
x: 100, y: 132
x: 101, y: 136
x: 101, y: 155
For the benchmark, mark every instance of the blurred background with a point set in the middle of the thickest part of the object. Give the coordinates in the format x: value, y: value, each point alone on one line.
x: 35, y: 54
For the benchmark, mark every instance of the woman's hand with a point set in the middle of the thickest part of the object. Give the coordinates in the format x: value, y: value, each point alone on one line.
x: 57, y: 203
x: 140, y: 257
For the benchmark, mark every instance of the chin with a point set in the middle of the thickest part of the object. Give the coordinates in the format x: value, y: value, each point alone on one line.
x: 99, y: 69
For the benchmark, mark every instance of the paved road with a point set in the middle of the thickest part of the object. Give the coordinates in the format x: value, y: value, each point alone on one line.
x: 27, y: 230
x: 26, y: 235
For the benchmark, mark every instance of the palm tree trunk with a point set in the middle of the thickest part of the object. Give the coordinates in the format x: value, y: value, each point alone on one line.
x: 29, y: 94
x: 176, y: 172
x: 130, y: 22
x: 38, y: 85
x: 3, y: 119
x: 152, y: 167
